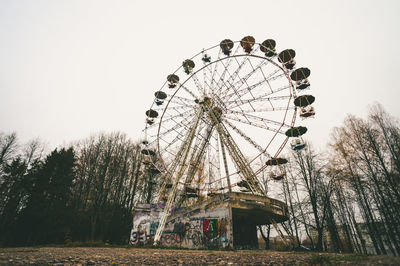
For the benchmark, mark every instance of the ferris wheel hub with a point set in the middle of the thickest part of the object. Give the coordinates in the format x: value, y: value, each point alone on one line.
x: 211, y: 107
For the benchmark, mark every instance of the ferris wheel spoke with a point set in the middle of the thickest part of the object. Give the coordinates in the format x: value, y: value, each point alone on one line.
x: 235, y: 74
x: 251, y: 123
x: 173, y: 141
x: 170, y: 153
x: 275, y: 77
x: 260, y: 98
x: 188, y: 91
x: 182, y: 99
x: 205, y: 79
x: 212, y: 137
x: 264, y: 110
x: 241, y: 92
x: 207, y: 85
x: 208, y: 76
x: 178, y: 108
x: 244, y: 136
x: 216, y: 66
x: 197, y: 83
x: 180, y: 134
x: 229, y: 86
x: 172, y: 129
x: 217, y: 84
x: 170, y: 143
x: 177, y: 124
x: 180, y: 102
x: 222, y: 76
x: 243, y: 80
x: 173, y: 120
x: 244, y: 91
x: 169, y: 117
x: 232, y: 76
x: 184, y: 123
x: 175, y: 108
x: 261, y: 119
x: 238, y: 106
x: 251, y: 73
x: 240, y: 82
x: 265, y: 78
x: 210, y: 82
x: 249, y: 91
x: 210, y: 88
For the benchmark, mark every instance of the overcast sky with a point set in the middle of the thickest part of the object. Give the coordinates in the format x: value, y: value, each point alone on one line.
x: 72, y: 68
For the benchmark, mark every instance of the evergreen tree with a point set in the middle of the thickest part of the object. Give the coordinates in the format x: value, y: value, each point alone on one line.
x: 48, y: 212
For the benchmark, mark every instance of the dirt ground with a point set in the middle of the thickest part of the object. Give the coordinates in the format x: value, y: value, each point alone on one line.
x: 142, y: 256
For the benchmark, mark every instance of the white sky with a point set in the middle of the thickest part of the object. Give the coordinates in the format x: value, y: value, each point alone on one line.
x: 72, y: 68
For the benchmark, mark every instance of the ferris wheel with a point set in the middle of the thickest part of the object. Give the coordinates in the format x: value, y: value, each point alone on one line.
x: 220, y: 121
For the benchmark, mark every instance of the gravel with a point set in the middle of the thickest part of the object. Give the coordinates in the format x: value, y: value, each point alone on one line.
x: 142, y: 256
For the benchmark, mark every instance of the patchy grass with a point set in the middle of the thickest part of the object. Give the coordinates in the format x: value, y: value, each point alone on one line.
x: 354, y: 258
x: 85, y: 244
x: 319, y: 259
x: 151, y: 246
x: 92, y: 244
x: 176, y: 247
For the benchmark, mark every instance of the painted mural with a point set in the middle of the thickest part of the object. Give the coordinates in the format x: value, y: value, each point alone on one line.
x: 196, y: 229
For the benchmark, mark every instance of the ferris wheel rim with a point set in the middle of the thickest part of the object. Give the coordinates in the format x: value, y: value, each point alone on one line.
x: 217, y: 113
x: 291, y: 89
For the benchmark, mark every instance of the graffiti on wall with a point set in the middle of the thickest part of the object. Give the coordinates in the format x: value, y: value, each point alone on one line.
x: 189, y: 232
x: 214, y: 231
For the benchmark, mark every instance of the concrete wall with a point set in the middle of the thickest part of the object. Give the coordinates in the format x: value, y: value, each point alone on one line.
x: 199, y: 228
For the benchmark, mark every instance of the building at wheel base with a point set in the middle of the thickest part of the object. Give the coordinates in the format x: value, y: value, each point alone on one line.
x: 226, y: 220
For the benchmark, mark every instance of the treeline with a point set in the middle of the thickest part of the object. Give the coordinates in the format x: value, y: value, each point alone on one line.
x: 347, y: 199
x: 81, y: 193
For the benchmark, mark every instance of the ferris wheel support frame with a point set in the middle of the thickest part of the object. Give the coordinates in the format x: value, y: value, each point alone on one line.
x: 195, y: 162
x: 186, y: 149
x: 239, y: 160
x: 227, y: 141
x: 225, y: 165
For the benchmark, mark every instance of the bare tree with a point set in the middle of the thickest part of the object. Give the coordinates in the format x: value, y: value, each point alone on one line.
x: 366, y: 155
x: 8, y: 147
x: 107, y: 179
